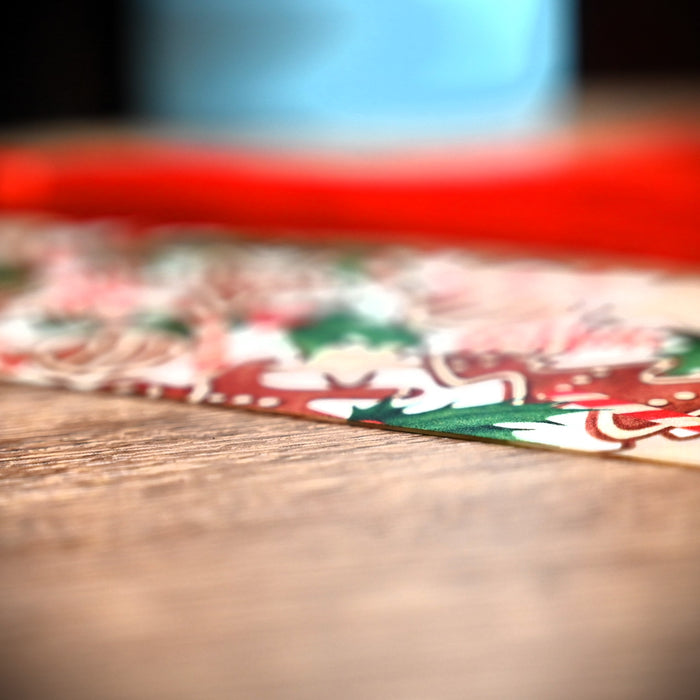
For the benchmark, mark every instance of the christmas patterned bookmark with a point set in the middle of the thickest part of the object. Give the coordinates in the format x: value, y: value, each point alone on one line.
x: 526, y: 352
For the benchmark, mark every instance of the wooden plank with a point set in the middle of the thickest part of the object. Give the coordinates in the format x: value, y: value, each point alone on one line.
x: 150, y: 549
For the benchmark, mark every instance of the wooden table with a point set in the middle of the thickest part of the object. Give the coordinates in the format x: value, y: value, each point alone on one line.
x: 154, y: 550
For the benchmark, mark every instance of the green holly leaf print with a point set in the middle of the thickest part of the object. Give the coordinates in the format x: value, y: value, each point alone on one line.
x: 687, y: 352
x: 344, y: 327
x: 351, y: 264
x: 164, y: 324
x: 58, y: 325
x: 475, y: 421
x: 12, y: 275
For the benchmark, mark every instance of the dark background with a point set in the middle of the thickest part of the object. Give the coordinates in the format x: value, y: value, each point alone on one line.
x: 66, y: 59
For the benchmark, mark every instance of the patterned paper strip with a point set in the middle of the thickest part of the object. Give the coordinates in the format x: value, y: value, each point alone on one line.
x: 600, y: 361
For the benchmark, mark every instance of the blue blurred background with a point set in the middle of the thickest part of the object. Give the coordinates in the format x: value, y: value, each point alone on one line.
x: 354, y: 66
x: 391, y: 66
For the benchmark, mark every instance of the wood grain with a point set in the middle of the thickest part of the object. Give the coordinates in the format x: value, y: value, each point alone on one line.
x: 153, y: 550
